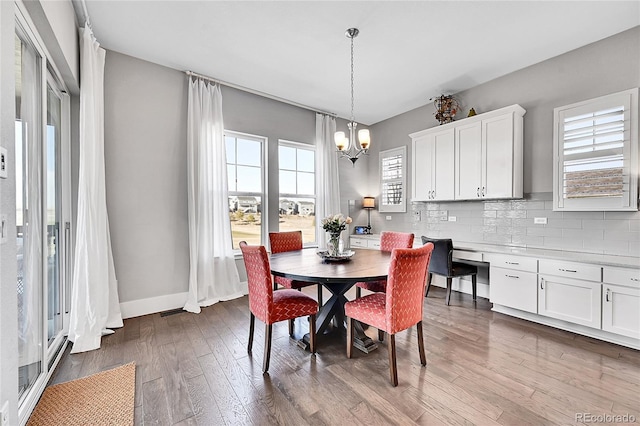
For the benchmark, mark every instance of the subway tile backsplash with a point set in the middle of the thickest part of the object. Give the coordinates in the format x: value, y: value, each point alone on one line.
x: 511, y: 222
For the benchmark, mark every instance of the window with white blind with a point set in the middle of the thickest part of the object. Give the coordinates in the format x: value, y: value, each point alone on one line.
x: 393, y: 180
x: 596, y: 154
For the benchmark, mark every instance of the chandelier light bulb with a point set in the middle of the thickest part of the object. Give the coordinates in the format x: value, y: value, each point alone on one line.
x: 364, y: 138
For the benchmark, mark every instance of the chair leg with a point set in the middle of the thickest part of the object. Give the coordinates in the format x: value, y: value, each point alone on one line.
x: 449, y: 279
x: 358, y: 292
x: 429, y: 277
x: 275, y: 286
x: 474, y: 285
x: 252, y: 323
x: 393, y: 368
x: 381, y: 335
x: 319, y: 295
x: 312, y: 333
x: 423, y: 358
x: 267, y: 347
x: 349, y: 336
x: 291, y: 327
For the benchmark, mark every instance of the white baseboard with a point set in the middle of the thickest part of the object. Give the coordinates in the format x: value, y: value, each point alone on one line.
x: 152, y: 305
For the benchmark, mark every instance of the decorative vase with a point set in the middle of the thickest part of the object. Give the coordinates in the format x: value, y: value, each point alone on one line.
x: 334, y: 244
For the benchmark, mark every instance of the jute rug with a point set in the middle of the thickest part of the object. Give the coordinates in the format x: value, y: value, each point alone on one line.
x: 105, y: 398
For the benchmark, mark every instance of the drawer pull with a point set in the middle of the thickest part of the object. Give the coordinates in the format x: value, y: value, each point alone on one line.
x: 541, y: 283
x: 607, y: 295
x: 512, y: 263
x: 635, y: 279
x: 478, y: 192
x: 566, y: 270
x: 511, y: 276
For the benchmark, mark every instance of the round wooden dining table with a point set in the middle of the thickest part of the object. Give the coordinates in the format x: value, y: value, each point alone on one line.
x: 338, y: 278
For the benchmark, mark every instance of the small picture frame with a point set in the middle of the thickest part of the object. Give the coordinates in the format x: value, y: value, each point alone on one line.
x: 361, y: 230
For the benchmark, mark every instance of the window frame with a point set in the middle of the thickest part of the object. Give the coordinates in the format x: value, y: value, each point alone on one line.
x: 629, y: 199
x: 264, y: 209
x: 402, y: 206
x: 308, y: 147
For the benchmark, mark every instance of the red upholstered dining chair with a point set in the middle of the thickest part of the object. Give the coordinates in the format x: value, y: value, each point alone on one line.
x: 289, y: 241
x: 388, y: 241
x: 398, y: 309
x: 273, y: 306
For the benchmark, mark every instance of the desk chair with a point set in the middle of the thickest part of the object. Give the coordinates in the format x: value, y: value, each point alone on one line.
x: 273, y: 306
x: 388, y: 241
x: 289, y: 241
x: 442, y: 264
x: 397, y: 309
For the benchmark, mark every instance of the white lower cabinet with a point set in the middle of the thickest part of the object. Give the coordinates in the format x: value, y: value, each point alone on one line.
x: 513, y: 281
x: 359, y: 242
x: 568, y: 299
x: 621, y: 301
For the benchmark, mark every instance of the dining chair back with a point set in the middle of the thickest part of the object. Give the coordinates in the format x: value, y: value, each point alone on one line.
x: 269, y: 306
x: 289, y: 241
x: 399, y: 308
x: 388, y: 241
x: 442, y: 264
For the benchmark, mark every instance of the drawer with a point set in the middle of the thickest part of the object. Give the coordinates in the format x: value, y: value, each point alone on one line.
x: 624, y: 276
x: 561, y: 268
x: 515, y: 289
x: 467, y: 255
x: 374, y: 244
x: 519, y: 263
x: 358, y: 242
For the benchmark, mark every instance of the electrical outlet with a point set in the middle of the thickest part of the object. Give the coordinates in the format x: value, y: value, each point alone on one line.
x: 417, y: 216
x: 540, y: 220
x: 4, y: 414
x: 453, y: 219
x: 388, y: 217
x: 4, y: 163
x: 3, y: 228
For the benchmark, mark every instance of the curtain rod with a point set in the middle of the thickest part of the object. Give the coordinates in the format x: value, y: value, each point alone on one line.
x: 256, y: 92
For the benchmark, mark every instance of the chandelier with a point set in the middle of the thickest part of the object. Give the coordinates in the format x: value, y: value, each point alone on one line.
x: 347, y: 145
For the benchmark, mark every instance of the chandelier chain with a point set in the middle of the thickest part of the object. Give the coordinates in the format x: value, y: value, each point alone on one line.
x: 352, y: 117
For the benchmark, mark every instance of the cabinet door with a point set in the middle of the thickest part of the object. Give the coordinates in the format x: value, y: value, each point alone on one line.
x: 497, y: 157
x: 570, y: 300
x: 621, y: 310
x: 443, y: 165
x: 421, y: 185
x: 468, y: 154
x: 515, y: 289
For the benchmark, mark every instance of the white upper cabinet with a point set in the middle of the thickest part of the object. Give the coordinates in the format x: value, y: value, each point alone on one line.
x: 479, y: 157
x: 433, y: 171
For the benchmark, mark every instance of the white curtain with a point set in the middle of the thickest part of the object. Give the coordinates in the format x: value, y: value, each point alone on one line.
x: 95, y: 304
x: 327, y: 179
x: 30, y: 263
x: 213, y: 275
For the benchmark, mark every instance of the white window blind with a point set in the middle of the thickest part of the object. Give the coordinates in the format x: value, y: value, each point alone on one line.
x: 393, y: 180
x: 596, y: 154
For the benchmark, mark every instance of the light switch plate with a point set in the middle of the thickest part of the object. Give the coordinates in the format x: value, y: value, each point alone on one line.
x: 540, y: 220
x: 388, y: 218
x: 3, y: 229
x: 4, y: 163
x: 453, y: 219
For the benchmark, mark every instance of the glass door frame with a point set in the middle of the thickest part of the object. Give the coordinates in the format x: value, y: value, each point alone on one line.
x: 50, y: 354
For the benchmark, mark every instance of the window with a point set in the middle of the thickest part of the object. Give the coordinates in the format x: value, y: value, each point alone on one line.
x: 245, y: 175
x: 297, y: 203
x: 393, y: 180
x: 596, y: 154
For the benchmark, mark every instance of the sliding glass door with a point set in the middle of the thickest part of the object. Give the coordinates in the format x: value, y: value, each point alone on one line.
x: 42, y: 212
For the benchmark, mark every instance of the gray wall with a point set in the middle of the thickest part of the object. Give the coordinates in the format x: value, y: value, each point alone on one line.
x: 607, y: 66
x: 146, y: 173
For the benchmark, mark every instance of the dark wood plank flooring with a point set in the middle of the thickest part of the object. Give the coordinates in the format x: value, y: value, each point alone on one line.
x: 482, y: 368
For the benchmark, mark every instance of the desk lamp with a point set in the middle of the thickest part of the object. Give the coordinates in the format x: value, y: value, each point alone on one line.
x: 368, y: 203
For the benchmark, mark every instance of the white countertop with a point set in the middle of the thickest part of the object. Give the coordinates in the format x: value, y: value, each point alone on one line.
x: 574, y: 256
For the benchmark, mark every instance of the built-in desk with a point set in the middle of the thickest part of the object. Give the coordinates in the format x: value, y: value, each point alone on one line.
x: 596, y: 295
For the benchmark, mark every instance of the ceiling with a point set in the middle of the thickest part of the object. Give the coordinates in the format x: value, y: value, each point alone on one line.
x: 406, y: 53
